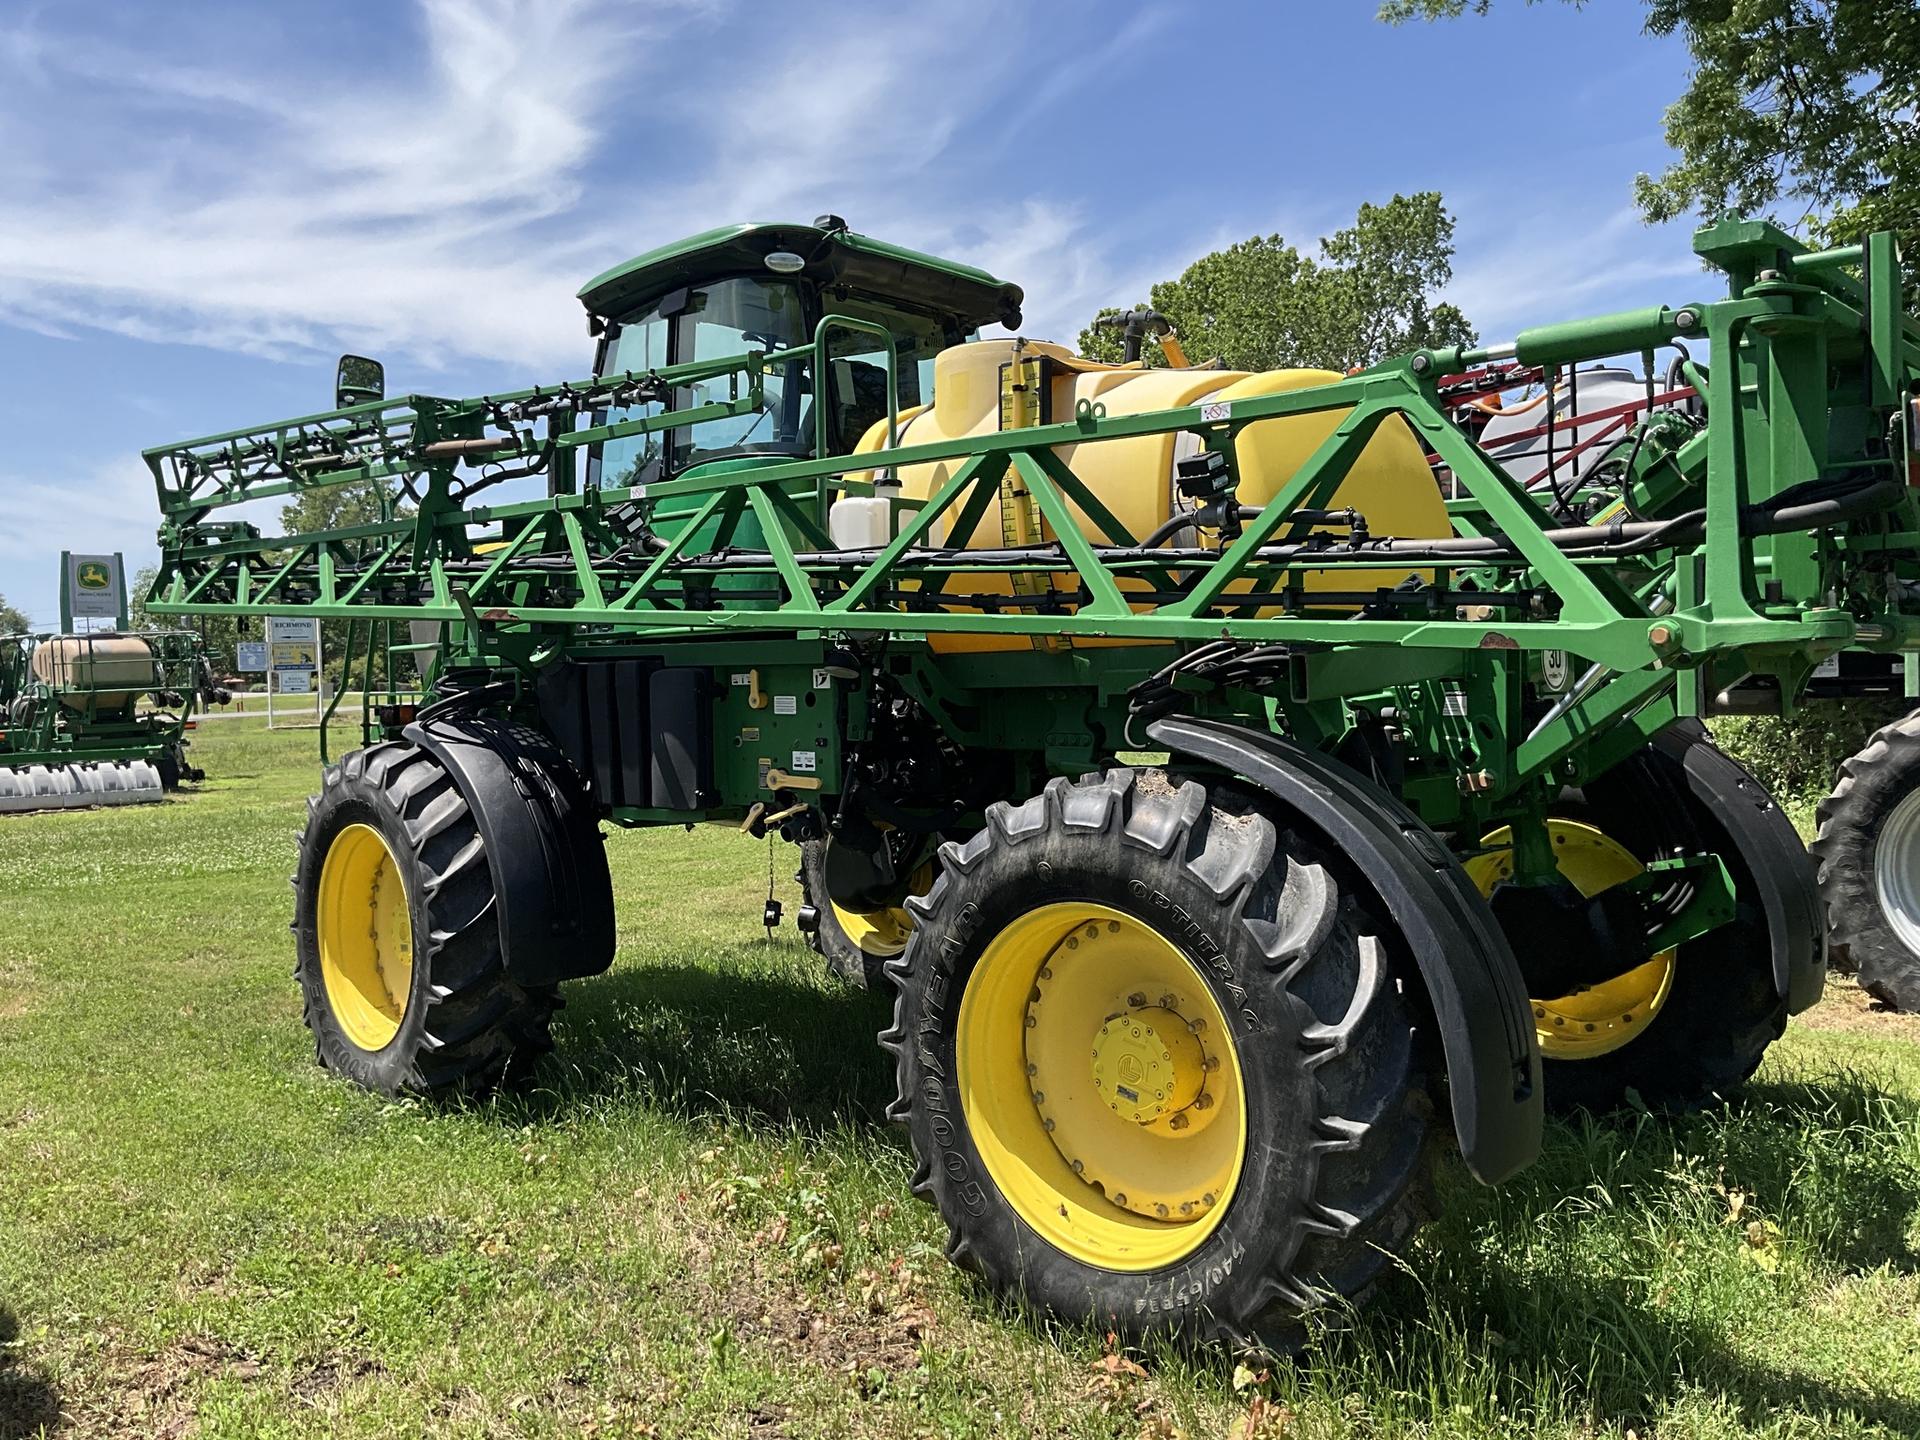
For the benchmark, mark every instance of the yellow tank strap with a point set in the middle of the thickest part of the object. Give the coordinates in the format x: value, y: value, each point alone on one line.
x: 1022, y: 382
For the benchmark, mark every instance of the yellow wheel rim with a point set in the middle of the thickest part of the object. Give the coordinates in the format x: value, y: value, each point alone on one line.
x: 877, y: 932
x: 365, y: 933
x: 1601, y: 1018
x: 883, y: 933
x: 1101, y: 1086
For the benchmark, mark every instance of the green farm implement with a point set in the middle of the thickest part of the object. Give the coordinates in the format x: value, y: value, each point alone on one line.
x: 1239, y: 780
x: 96, y: 718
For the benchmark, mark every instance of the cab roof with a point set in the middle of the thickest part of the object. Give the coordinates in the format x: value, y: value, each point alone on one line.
x: 834, y: 256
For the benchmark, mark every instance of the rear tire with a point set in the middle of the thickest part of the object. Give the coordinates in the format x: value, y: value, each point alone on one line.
x: 1256, y: 927
x: 858, y: 955
x: 1868, y: 849
x: 845, y: 959
x: 450, y: 1021
x: 1722, y: 1008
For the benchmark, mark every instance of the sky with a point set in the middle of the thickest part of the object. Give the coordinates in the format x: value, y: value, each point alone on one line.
x: 206, y: 204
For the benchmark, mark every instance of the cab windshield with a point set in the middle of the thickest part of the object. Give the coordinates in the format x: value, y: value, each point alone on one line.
x: 730, y: 317
x: 710, y: 322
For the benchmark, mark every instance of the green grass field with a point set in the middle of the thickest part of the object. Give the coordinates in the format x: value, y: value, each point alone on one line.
x: 698, y: 1224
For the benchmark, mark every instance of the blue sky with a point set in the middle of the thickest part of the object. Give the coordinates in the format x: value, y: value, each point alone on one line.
x: 204, y: 204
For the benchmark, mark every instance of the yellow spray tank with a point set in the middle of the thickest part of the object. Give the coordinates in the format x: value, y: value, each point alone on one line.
x: 991, y: 385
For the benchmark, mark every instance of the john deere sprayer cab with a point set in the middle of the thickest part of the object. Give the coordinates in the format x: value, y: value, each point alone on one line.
x: 1233, y: 810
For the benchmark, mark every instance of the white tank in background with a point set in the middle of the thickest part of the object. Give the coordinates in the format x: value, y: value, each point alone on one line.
x: 1572, y: 406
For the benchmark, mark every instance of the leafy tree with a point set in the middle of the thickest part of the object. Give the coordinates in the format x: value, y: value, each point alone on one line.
x: 1803, y: 111
x: 220, y: 633
x: 13, y: 621
x: 339, y: 507
x: 1367, y: 294
x: 332, y: 507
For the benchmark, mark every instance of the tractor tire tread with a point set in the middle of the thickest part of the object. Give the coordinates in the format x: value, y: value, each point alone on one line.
x: 1869, y: 784
x: 1363, y: 1187
x: 477, y: 1027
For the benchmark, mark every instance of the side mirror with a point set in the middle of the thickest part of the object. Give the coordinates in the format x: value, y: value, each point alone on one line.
x: 358, y: 380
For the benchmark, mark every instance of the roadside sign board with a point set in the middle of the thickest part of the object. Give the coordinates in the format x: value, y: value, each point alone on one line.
x: 293, y: 644
x: 295, y: 682
x: 92, y: 587
x: 250, y: 656
x: 293, y: 655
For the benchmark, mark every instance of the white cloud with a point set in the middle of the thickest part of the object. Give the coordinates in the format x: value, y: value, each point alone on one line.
x: 411, y: 214
x: 450, y: 210
x: 109, y: 508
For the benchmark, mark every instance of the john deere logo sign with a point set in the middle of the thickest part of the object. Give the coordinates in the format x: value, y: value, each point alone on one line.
x: 93, y: 587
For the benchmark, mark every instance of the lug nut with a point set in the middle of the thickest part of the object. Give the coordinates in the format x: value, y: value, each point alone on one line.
x: 1137, y: 1000
x: 1179, y: 1122
x: 1119, y: 1199
x: 1203, y: 1101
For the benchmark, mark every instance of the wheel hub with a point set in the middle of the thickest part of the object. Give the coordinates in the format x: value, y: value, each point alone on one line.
x: 1147, y: 1063
x: 1118, y: 1069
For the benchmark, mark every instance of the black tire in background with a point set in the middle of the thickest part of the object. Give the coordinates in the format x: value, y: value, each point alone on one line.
x: 845, y: 959
x: 466, y: 1027
x: 1724, y: 1008
x: 1868, y: 841
x: 1334, y: 1087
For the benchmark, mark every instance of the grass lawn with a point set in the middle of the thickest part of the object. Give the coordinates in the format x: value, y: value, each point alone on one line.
x: 698, y: 1224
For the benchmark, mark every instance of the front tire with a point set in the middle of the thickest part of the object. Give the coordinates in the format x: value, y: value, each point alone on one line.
x: 1868, y: 849
x: 399, y: 956
x: 1091, y: 970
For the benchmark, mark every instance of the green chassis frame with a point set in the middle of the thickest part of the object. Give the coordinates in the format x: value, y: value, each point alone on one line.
x: 1812, y: 375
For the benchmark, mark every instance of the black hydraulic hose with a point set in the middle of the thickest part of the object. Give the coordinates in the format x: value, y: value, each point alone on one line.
x: 461, y: 699
x: 1179, y: 521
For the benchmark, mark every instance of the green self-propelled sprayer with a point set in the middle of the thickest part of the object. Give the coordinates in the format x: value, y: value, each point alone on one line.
x: 1240, y: 780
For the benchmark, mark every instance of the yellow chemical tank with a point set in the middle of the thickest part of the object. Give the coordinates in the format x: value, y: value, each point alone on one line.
x: 98, y: 672
x: 1390, y: 483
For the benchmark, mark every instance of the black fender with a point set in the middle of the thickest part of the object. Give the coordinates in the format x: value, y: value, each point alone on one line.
x: 552, y: 891
x: 1730, y: 801
x: 1473, y: 983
